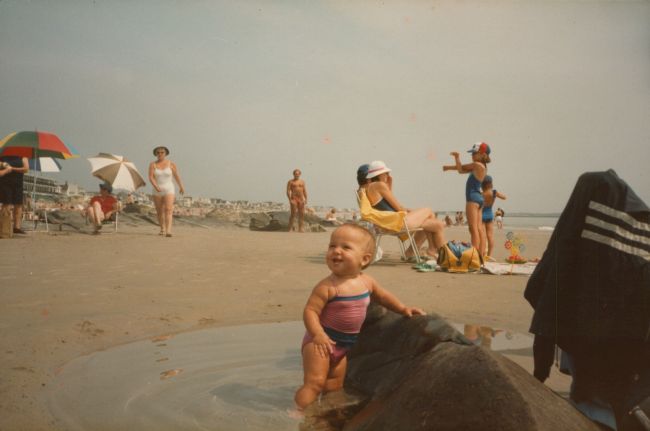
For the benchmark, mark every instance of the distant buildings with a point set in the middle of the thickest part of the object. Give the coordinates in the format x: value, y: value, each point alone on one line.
x: 40, y: 185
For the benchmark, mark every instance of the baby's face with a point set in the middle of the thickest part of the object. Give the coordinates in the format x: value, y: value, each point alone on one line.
x: 347, y: 252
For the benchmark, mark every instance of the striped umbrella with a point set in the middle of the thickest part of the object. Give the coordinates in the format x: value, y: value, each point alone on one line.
x: 44, y: 164
x: 36, y: 144
x: 117, y: 171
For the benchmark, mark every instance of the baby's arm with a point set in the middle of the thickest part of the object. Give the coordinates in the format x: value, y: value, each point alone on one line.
x: 390, y: 301
x: 311, y: 317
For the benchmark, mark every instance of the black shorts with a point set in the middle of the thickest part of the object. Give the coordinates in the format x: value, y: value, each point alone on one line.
x: 11, y: 193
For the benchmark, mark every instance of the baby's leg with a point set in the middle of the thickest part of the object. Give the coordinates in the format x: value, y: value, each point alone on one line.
x: 336, y: 376
x: 316, y: 369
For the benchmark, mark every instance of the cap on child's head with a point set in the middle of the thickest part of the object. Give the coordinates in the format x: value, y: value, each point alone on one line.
x: 487, y: 180
x: 481, y: 148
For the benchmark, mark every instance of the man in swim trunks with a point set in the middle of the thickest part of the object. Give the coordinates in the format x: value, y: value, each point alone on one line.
x: 297, y: 194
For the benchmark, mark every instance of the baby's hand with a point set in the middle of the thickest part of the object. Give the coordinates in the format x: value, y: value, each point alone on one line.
x: 410, y: 311
x: 323, y: 345
x: 455, y: 154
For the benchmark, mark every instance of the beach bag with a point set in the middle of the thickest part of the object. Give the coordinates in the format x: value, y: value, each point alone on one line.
x: 459, y: 257
x: 6, y: 229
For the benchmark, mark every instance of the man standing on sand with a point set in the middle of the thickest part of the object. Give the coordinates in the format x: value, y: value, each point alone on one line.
x: 297, y: 194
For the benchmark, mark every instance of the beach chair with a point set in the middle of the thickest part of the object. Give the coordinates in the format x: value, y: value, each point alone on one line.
x: 113, y: 219
x: 34, y: 217
x: 388, y: 223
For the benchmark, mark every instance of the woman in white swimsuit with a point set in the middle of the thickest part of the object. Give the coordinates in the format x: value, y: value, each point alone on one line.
x: 161, y: 173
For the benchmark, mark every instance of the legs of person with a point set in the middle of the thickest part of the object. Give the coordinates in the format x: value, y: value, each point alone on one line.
x: 292, y: 217
x: 336, y: 376
x: 158, y: 203
x: 168, y: 212
x: 301, y: 216
x: 316, y: 371
x: 18, y: 215
x: 483, y: 235
x: 419, y: 237
x: 489, y: 233
x: 96, y: 214
x: 424, y: 218
x: 473, y: 211
x: 435, y: 228
x: 414, y: 220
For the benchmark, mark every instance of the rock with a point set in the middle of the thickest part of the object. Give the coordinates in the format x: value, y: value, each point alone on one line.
x: 265, y: 222
x: 279, y: 221
x: 421, y: 374
x: 135, y: 208
x: 333, y: 411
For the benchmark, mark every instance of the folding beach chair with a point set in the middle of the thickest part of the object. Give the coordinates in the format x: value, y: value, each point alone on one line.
x: 35, y: 217
x: 113, y: 219
x: 391, y: 223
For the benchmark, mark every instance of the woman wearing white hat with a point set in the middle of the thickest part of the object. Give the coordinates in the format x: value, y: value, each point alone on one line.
x: 381, y: 197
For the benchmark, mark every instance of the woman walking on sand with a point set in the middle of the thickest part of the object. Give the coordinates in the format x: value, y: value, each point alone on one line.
x: 161, y: 172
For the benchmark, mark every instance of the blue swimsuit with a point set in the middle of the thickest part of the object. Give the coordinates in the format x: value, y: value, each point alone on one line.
x: 473, y: 190
x: 488, y: 215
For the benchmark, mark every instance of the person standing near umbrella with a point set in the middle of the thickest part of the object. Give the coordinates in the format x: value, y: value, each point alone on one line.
x: 11, y: 187
x: 161, y: 173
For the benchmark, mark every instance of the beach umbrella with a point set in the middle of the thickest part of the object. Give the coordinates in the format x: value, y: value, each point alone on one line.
x: 36, y: 144
x: 44, y: 164
x: 117, y: 171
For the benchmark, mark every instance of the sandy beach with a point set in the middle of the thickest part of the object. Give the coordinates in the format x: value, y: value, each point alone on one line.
x: 65, y: 295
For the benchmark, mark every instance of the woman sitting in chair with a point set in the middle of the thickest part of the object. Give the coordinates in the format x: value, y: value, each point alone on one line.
x: 102, y: 207
x: 380, y: 195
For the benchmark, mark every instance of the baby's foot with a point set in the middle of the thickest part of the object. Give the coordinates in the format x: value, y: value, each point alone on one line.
x: 296, y: 413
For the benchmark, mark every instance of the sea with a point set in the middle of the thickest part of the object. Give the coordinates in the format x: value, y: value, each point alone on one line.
x: 513, y: 220
x: 539, y: 222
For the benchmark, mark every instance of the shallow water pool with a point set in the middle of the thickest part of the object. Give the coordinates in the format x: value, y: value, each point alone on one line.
x: 226, y: 379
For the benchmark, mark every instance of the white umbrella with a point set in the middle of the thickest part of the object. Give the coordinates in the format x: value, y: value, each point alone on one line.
x: 117, y: 171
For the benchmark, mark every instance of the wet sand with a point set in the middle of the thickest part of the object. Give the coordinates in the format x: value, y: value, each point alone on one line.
x: 69, y: 295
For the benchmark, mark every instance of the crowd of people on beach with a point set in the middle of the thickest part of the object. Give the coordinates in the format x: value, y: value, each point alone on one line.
x: 337, y: 305
x: 376, y: 183
x: 102, y: 207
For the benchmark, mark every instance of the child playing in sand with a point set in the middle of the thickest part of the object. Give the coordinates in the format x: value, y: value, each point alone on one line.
x: 336, y: 310
x: 473, y: 196
x: 490, y: 195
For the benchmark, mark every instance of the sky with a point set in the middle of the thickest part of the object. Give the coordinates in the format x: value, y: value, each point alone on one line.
x: 243, y: 92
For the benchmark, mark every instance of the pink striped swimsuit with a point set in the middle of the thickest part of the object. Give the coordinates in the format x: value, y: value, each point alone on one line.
x: 342, y: 318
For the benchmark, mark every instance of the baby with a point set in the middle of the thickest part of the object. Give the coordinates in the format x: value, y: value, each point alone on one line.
x: 336, y: 310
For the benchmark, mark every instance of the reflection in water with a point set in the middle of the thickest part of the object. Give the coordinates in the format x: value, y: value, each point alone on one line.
x: 496, y: 339
x: 236, y: 378
x: 226, y: 379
